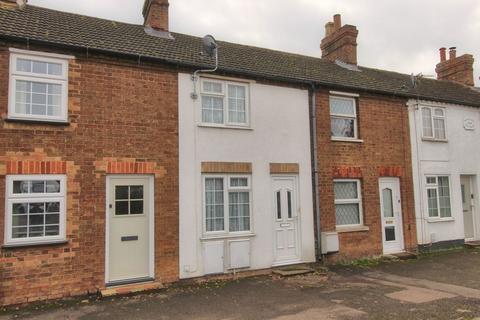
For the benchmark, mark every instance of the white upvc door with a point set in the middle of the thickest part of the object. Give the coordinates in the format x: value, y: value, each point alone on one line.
x: 129, y: 245
x: 391, y: 214
x: 286, y: 214
x: 467, y: 206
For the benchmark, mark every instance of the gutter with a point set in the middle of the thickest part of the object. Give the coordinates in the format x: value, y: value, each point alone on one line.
x: 305, y: 82
x: 315, y: 179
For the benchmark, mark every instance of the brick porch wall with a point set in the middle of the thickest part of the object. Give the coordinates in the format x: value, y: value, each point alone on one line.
x: 123, y: 119
x: 385, y: 152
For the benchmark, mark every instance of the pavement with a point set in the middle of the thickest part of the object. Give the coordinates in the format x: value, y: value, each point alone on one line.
x: 440, y: 286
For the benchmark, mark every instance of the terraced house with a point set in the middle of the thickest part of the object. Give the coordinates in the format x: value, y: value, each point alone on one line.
x: 128, y: 156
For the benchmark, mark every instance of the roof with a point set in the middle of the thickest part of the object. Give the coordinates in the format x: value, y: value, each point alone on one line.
x: 36, y: 24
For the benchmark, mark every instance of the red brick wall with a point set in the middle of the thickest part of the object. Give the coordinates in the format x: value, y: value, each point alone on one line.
x: 385, y: 151
x: 123, y: 119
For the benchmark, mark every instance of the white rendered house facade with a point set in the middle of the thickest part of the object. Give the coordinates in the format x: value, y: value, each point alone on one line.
x: 245, y: 176
x: 446, y: 167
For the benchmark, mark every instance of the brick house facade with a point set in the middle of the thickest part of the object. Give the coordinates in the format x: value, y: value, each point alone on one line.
x: 122, y: 120
x: 383, y: 151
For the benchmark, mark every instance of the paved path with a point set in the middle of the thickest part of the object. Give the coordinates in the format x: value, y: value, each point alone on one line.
x: 445, y: 286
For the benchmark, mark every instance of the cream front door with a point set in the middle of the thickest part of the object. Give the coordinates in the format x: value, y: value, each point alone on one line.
x: 129, y: 251
x: 286, y: 220
x: 391, y: 212
x: 467, y: 201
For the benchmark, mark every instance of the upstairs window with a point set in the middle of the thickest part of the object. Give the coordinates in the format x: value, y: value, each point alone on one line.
x: 38, y: 87
x: 343, y: 118
x: 224, y: 103
x: 433, y: 121
x: 438, y: 195
x: 35, y: 209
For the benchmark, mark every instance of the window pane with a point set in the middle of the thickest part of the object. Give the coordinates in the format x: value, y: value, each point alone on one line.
x: 347, y: 214
x: 432, y: 202
x: 21, y: 187
x: 37, y: 187
x: 342, y: 106
x: 136, y: 192
x: 19, y: 220
x: 39, y: 67
x: 431, y: 180
x: 289, y: 204
x: 18, y: 233
x: 239, y: 211
x: 343, y: 127
x: 121, y: 192
x: 53, y: 186
x: 279, y: 205
x: 390, y: 234
x: 212, y: 87
x: 239, y: 182
x: 55, y: 69
x: 345, y: 190
x: 36, y: 207
x: 214, y: 204
x: 121, y: 208
x: 439, y: 112
x: 439, y: 125
x: 36, y: 220
x: 427, y: 122
x: 236, y: 104
x: 444, y: 197
x: 52, y: 230
x: 387, y: 198
x: 136, y: 207
x: 52, y: 219
x: 35, y: 232
x: 212, y: 109
x: 20, y: 208
x: 24, y: 65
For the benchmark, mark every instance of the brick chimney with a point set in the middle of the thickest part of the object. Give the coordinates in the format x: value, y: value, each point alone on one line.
x: 155, y: 13
x: 340, y: 42
x: 13, y: 3
x: 457, y: 69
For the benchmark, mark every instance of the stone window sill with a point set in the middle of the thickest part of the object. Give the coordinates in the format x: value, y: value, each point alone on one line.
x: 34, y: 244
x: 29, y: 121
x: 347, y: 140
x: 435, y: 220
x: 352, y: 229
x: 435, y: 140
x: 227, y: 236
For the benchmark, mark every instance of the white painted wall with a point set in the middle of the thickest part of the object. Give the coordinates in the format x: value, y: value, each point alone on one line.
x: 460, y: 155
x: 279, y: 133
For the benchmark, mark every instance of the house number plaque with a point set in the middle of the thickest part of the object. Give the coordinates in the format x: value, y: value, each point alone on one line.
x: 469, y: 124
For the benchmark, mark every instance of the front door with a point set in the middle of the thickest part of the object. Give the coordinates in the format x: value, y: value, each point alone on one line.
x: 286, y: 213
x: 391, y: 211
x: 129, y: 239
x: 467, y: 201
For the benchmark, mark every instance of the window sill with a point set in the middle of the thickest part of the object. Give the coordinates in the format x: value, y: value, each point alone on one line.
x: 32, y: 121
x: 435, y: 140
x: 435, y: 220
x: 347, y: 140
x: 34, y: 244
x: 352, y: 229
x: 227, y: 236
x: 213, y: 126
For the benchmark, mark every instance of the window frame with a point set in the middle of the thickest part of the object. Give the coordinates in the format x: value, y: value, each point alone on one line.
x: 227, y: 188
x: 435, y: 186
x: 11, y: 198
x: 15, y: 75
x: 434, y: 117
x: 224, y: 95
x: 358, y: 201
x: 343, y: 116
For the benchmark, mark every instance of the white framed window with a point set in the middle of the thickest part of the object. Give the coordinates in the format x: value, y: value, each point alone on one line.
x: 343, y: 117
x: 438, y: 196
x: 227, y: 207
x: 348, y: 202
x: 35, y: 210
x: 38, y: 88
x: 224, y: 103
x: 433, y: 123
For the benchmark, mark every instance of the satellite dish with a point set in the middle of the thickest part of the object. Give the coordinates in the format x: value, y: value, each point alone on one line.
x: 209, y: 45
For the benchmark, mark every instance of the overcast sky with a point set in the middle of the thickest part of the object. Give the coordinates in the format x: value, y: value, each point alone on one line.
x: 398, y: 35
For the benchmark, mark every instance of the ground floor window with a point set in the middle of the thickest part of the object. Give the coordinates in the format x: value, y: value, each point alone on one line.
x: 348, y: 202
x: 438, y: 195
x: 227, y: 203
x: 35, y: 208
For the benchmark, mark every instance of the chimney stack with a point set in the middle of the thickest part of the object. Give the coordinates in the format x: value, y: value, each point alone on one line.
x: 13, y: 3
x: 155, y: 13
x: 457, y: 69
x: 340, y: 42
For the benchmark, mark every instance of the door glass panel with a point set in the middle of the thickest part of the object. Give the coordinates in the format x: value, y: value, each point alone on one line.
x: 136, y: 207
x: 463, y: 194
x: 121, y: 192
x: 136, y: 192
x: 289, y: 203
x: 129, y: 200
x: 121, y: 208
x: 390, y: 234
x: 387, y: 203
x: 279, y: 205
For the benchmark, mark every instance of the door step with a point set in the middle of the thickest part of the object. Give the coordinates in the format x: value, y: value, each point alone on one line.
x: 405, y: 255
x: 291, y: 271
x: 131, y: 288
x: 472, y: 245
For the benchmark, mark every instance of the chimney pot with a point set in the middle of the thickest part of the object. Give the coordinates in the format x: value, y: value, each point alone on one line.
x: 443, y: 54
x: 155, y: 13
x: 453, y: 53
x: 337, y: 21
x: 329, y: 29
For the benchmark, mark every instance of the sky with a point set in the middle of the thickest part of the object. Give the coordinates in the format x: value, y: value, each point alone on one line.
x: 397, y: 35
